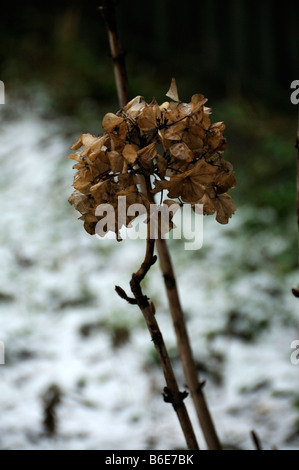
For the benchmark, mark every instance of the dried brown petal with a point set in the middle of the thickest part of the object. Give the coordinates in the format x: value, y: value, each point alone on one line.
x: 162, y: 165
x: 116, y: 161
x: 135, y: 106
x: 81, y: 202
x: 146, y: 156
x: 147, y: 120
x: 181, y: 152
x: 225, y: 208
x: 225, y: 181
x: 82, y: 181
x: 74, y: 156
x: 85, y: 140
x: 175, y: 131
x: 173, y: 91
x: 101, y: 191
x: 126, y: 180
x: 130, y: 153
x: 197, y: 103
x: 208, y: 204
x: 117, y: 143
x: 111, y: 121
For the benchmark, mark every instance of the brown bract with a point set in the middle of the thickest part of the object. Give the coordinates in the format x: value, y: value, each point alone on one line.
x: 174, y: 144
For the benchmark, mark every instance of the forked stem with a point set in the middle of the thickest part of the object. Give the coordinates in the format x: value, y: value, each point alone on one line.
x: 171, y: 393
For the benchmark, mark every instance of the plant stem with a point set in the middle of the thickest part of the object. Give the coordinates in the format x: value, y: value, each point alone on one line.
x: 256, y: 440
x: 185, y: 351
x: 171, y: 392
x: 297, y: 147
x: 296, y: 290
x: 108, y: 12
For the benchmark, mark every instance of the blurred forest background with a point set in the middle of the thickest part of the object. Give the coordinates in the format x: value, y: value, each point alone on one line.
x: 55, y: 63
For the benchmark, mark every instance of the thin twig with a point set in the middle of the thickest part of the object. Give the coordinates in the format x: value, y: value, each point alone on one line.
x: 297, y: 147
x: 256, y: 440
x: 171, y: 392
x: 118, y: 56
x: 296, y: 290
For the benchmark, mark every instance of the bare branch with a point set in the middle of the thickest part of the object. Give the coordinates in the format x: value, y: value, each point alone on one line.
x: 256, y: 440
x: 108, y: 12
x: 171, y: 391
x: 296, y: 290
x: 185, y: 351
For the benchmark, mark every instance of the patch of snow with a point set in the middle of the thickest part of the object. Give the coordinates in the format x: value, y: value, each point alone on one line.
x: 56, y: 280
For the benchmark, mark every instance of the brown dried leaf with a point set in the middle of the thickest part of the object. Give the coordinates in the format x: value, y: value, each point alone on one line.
x: 125, y: 166
x: 225, y: 208
x: 116, y: 161
x: 117, y: 143
x: 208, y: 204
x: 146, y: 156
x: 147, y: 120
x: 90, y: 222
x: 225, y: 181
x: 111, y: 121
x: 130, y: 153
x: 77, y: 145
x: 82, y: 181
x: 194, y: 137
x: 84, y: 140
x: 81, y: 202
x: 74, y: 156
x: 176, y: 130
x: 135, y: 106
x: 173, y: 91
x: 190, y: 186
x: 97, y: 150
x: 126, y: 180
x: 160, y: 186
x: 204, y: 172
x: 181, y: 152
x: 162, y: 165
x: 101, y: 191
x: 186, y: 187
x: 197, y: 103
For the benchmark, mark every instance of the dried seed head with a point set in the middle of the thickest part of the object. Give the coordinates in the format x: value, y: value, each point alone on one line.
x: 175, y: 143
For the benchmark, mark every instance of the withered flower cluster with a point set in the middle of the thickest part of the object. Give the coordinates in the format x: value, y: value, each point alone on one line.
x: 174, y: 145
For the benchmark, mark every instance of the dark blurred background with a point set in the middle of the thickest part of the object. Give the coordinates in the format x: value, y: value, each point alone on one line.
x: 228, y: 48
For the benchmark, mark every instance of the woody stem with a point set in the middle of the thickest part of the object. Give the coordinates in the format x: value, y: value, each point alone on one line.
x: 184, y: 346
x: 118, y: 56
x: 296, y: 290
x: 171, y: 393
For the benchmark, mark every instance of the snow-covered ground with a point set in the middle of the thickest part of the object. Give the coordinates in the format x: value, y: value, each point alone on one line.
x: 63, y: 324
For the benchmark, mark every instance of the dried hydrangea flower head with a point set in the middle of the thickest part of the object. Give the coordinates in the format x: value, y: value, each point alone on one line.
x: 174, y: 144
